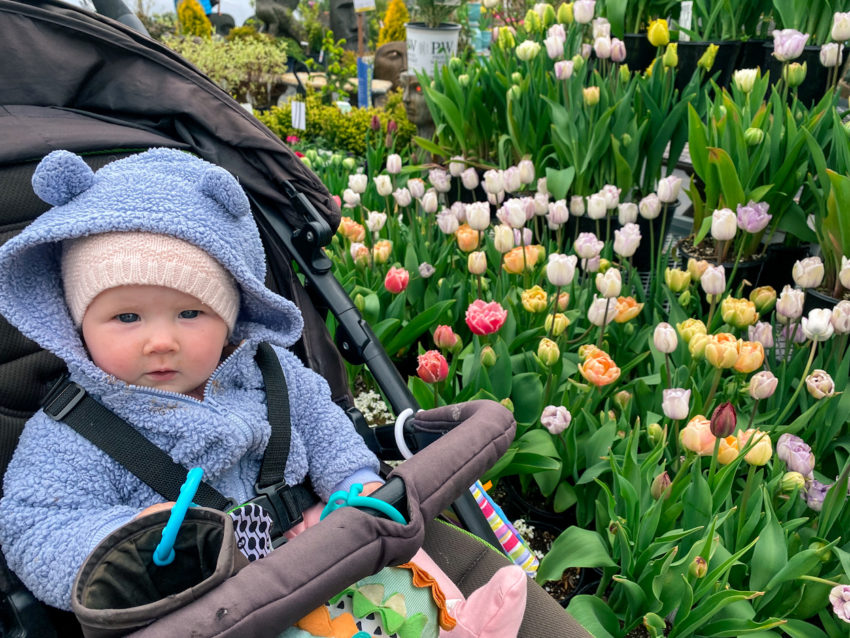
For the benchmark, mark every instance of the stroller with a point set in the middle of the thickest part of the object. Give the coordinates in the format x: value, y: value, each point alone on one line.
x: 74, y: 80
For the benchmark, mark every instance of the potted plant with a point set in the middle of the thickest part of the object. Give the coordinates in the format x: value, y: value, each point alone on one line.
x: 431, y: 39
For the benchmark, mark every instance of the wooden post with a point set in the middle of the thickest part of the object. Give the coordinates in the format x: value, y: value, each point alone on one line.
x: 359, y: 34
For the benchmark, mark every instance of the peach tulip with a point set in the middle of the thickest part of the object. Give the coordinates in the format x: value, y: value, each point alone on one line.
x: 696, y: 436
x: 600, y: 369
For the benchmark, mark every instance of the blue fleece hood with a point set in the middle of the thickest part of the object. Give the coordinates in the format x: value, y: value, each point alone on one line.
x: 161, y: 191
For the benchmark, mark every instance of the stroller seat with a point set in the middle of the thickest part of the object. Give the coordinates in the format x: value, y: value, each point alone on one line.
x: 76, y: 81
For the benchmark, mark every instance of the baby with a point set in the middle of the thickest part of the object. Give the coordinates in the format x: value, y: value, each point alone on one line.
x: 148, y: 280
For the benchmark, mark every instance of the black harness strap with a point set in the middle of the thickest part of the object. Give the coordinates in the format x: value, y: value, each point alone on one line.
x: 69, y: 403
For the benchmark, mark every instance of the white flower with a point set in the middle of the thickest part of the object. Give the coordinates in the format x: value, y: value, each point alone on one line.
x: 469, y: 178
x: 358, y: 182
x: 561, y: 269
x: 668, y: 189
x: 627, y: 213
x: 375, y: 221
x: 511, y: 179
x: 384, y: 185
x: 576, y: 205
x: 350, y: 198
x: 493, y: 181
x: 429, y: 201
x: 724, y: 224
x: 416, y: 187
x: 841, y: 317
x: 665, y: 338
x: 478, y: 215
x: 440, y: 180
x: 528, y: 50
x: 596, y: 207
x: 844, y: 273
x: 402, y: 197
x: 513, y: 213
x: 447, y: 222
x: 602, y: 48
x: 830, y: 54
x: 808, y: 272
x: 503, y: 238
x: 394, y: 164
x: 627, y: 240
x: 456, y: 166
x: 597, y: 314
x: 650, y: 206
x: 745, y: 79
x: 818, y: 325
x: 610, y: 283
x: 526, y: 171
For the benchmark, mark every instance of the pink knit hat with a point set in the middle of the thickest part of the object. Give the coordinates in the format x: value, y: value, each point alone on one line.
x: 96, y: 263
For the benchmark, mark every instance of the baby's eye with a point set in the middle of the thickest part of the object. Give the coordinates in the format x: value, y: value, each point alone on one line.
x: 127, y: 317
x: 190, y: 314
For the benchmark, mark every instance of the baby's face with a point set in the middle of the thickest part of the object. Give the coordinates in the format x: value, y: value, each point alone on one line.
x: 155, y: 337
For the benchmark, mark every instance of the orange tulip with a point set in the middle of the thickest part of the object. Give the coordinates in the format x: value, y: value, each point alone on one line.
x: 728, y: 450
x: 750, y: 357
x: 627, y: 308
x: 351, y: 230
x: 514, y: 263
x: 563, y: 300
x: 381, y: 251
x: 696, y: 436
x: 722, y: 350
x: 599, y: 369
x: 467, y: 238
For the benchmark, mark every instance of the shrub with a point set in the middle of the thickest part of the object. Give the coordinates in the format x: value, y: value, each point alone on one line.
x: 193, y: 21
x: 394, y: 21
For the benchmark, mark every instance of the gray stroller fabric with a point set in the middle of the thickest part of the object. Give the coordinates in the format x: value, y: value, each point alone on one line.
x: 273, y: 593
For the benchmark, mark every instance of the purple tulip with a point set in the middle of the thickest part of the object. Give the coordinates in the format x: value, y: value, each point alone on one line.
x: 839, y: 596
x: 753, y: 218
x: 815, y: 493
x: 796, y: 453
x: 788, y: 44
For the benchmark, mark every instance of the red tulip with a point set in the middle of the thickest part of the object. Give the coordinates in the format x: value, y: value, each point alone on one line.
x: 433, y: 367
x: 396, y: 280
x: 723, y: 420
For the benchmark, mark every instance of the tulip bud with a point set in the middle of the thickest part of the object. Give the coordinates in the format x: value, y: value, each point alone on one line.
x: 698, y: 567
x: 764, y: 297
x: 723, y: 420
x: 445, y: 338
x: 477, y: 262
x: 514, y: 92
x: 794, y: 73
x: 707, y: 59
x: 591, y: 95
x: 753, y: 136
x: 654, y: 433
x: 548, y: 352
x: 671, y: 56
x: 625, y: 76
x: 822, y: 550
x: 359, y: 302
x: 677, y: 280
x: 792, y: 482
x: 560, y: 324
x: 506, y: 402
x: 565, y: 13
x: 516, y: 77
x: 488, y: 357
x: 532, y: 23
x: 622, y: 399
x: 659, y: 486
x: 664, y: 338
x: 658, y: 33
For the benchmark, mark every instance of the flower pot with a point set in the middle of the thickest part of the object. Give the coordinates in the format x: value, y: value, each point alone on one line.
x: 751, y: 54
x: 779, y: 262
x: 643, y: 257
x: 748, y: 273
x: 817, y: 299
x: 532, y: 505
x: 639, y: 52
x: 428, y: 47
x: 724, y: 62
x: 817, y: 76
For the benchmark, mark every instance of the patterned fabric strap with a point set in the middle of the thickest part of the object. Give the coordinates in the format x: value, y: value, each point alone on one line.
x: 510, y: 539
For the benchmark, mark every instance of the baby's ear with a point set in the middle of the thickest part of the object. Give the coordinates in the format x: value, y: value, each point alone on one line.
x: 60, y: 177
x: 221, y: 186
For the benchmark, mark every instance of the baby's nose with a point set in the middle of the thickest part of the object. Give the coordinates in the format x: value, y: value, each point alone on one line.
x: 160, y: 341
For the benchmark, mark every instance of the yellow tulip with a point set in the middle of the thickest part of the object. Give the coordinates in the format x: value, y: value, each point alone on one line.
x: 697, y: 344
x: 534, y: 299
x: 658, y: 33
x: 677, y: 280
x: 690, y: 327
x: 728, y: 450
x: 750, y: 357
x: 739, y: 313
x: 560, y: 324
x: 762, y: 449
x: 721, y: 351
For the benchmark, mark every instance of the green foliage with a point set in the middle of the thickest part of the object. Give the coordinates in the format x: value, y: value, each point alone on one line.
x: 244, y: 66
x: 340, y: 68
x: 342, y: 131
x: 314, y: 29
x: 394, y: 21
x: 193, y: 21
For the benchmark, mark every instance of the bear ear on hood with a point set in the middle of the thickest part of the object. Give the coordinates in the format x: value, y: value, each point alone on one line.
x: 60, y: 177
x: 219, y: 185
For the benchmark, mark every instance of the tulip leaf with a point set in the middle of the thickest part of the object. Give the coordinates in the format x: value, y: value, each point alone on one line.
x: 526, y: 463
x: 527, y: 397
x: 501, y: 375
x: 802, y: 629
x: 418, y: 325
x: 698, y: 498
x: 431, y: 147
x: 733, y: 627
x: 833, y: 503
x: 500, y: 467
x: 565, y: 497
x: 422, y: 392
x: 770, y: 554
x: 706, y: 610
x: 595, y: 616
x: 558, y: 182
x: 382, y: 329
x: 730, y: 184
x: 575, y: 547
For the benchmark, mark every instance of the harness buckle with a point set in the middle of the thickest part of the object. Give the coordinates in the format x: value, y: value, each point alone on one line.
x: 62, y: 398
x: 279, y: 501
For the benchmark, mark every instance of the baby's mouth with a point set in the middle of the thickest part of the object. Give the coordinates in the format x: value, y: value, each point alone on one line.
x: 162, y: 375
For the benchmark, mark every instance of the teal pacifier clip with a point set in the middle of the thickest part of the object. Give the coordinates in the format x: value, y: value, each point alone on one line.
x: 164, y: 552
x: 352, y: 498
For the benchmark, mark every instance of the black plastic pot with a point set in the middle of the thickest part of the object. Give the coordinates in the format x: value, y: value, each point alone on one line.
x: 749, y: 271
x: 724, y: 62
x: 817, y: 299
x: 751, y: 54
x: 779, y: 262
x: 817, y: 76
x: 518, y: 505
x: 639, y: 51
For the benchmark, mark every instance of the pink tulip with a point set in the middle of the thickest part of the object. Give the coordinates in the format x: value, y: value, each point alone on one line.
x: 485, y: 318
x: 396, y: 280
x: 556, y: 419
x: 676, y: 403
x: 433, y: 367
x: 788, y: 44
x: 753, y: 217
x: 445, y: 338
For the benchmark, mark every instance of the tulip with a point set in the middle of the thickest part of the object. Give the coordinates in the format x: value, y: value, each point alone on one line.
x: 789, y: 306
x: 763, y: 385
x: 562, y: 301
x: 558, y: 213
x: 841, y: 26
x: 557, y: 31
x: 764, y: 298
x: 556, y: 419
x: 660, y: 485
x: 577, y: 208
x: 650, y: 206
x: 761, y: 450
x: 384, y: 185
x: 528, y: 50
x: 677, y: 280
x: 564, y: 69
x: 820, y: 385
x: 723, y: 420
x: 658, y: 33
x: 839, y: 597
x: 554, y: 48
x: 511, y: 179
x: 602, y: 48
x: 721, y: 351
x: 394, y: 164
x: 496, y: 198
x: 696, y: 436
x: 548, y: 352
x: 723, y: 224
x: 565, y: 13
x: 445, y: 338
x: 520, y: 259
x: 478, y: 215
x: 753, y: 137
x: 432, y: 367
x: 350, y: 198
x: 396, y: 280
x: 745, y: 79
x: 689, y: 328
x: 627, y: 213
x: 526, y: 171
x: 611, y: 196
x: 469, y: 178
x: 831, y: 54
x: 818, y: 325
x: 697, y: 344
x: 532, y: 22
x: 493, y: 181
x: 402, y: 197
x: 601, y: 311
x: 670, y: 59
x: 788, y: 44
x: 706, y: 61
x: 753, y: 217
x: 713, y: 280
x: 627, y: 239
x: 556, y: 326
x: 791, y: 482
x: 440, y: 180
x: 587, y: 246
x: 792, y: 332
x: 429, y: 202
x: 609, y: 283
x: 503, y: 238
x: 664, y: 338
x: 844, y: 273
x: 627, y: 309
x: 698, y: 567
x: 561, y: 269
x: 357, y: 183
x: 426, y: 270
x: 591, y: 95
x: 456, y: 166
x: 534, y: 299
x: 697, y: 268
x: 512, y: 213
x: 476, y: 263
x: 676, y: 403
x: 600, y: 370
x: 381, y: 251
x: 459, y: 211
x: 359, y: 253
x: 485, y: 318
x: 523, y: 237
x: 596, y: 208
x: 750, y: 357
x: 738, y: 313
x: 761, y: 332
x: 841, y: 317
x: 447, y: 222
x: 583, y: 11
x: 416, y: 187
x: 618, y: 50
x: 669, y: 188
x: 654, y: 433
x: 794, y: 73
x: 808, y: 272
x: 728, y: 450
x: 815, y: 494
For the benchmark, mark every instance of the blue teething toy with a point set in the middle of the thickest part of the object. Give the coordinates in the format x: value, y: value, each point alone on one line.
x: 352, y: 498
x: 164, y: 552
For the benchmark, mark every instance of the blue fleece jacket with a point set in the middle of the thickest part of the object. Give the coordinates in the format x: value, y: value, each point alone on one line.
x: 62, y: 495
